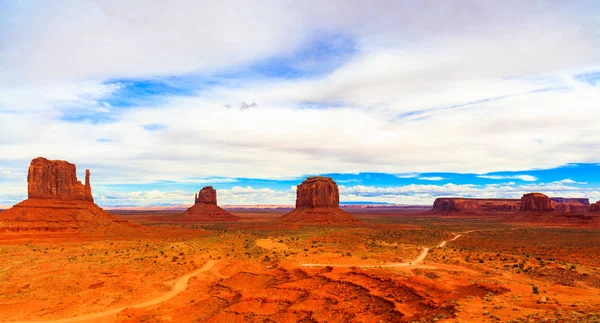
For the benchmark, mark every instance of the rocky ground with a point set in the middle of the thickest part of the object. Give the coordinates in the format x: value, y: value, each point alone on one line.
x: 252, y: 271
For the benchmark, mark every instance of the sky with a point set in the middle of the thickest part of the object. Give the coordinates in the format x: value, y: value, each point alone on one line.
x: 398, y: 101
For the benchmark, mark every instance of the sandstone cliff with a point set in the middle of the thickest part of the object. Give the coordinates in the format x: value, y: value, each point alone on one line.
x: 207, y: 195
x: 595, y: 207
x: 317, y: 202
x: 466, y: 205
x: 58, y: 202
x: 536, y: 202
x: 205, y: 209
x: 571, y: 200
x: 57, y: 179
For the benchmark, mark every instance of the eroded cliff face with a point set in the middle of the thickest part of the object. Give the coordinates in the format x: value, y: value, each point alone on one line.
x: 207, y: 195
x: 317, y: 203
x: 318, y: 192
x: 536, y: 202
x: 595, y: 207
x: 57, y: 179
x: 205, y: 209
x: 58, y: 202
x: 450, y: 204
x: 571, y: 200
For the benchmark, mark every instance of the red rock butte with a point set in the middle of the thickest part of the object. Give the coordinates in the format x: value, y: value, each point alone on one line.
x: 205, y: 209
x: 595, y: 207
x: 59, y: 202
x: 317, y: 202
x: 537, y: 202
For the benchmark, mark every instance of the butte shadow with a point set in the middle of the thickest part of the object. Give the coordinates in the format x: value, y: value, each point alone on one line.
x: 318, y: 203
x: 58, y: 202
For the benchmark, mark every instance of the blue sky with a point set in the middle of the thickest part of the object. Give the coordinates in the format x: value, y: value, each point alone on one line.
x: 399, y: 102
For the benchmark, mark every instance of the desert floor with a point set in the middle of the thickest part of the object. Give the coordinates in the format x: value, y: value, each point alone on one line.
x: 401, y: 265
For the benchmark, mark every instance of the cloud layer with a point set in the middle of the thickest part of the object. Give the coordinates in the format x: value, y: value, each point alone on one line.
x: 142, y: 91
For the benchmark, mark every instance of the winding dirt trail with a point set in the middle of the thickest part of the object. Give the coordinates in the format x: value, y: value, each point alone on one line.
x: 443, y: 244
x: 180, y: 285
x: 415, y: 262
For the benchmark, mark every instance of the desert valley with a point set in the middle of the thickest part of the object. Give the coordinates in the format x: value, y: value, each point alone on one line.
x: 64, y: 259
x: 281, y: 161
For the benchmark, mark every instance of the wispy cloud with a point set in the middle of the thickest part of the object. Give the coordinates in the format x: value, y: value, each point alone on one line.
x: 431, y: 178
x: 526, y: 178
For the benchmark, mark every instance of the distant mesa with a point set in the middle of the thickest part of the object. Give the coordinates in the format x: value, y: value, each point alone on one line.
x: 529, y: 202
x: 467, y: 205
x: 205, y: 208
x: 317, y: 203
x: 537, y: 202
x: 595, y: 207
x: 58, y: 202
x: 570, y: 200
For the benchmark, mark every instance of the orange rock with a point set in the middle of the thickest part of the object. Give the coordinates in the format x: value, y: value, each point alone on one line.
x: 571, y: 200
x: 536, y: 202
x: 207, y: 195
x: 317, y: 202
x: 572, y: 207
x: 318, y: 192
x: 450, y: 204
x: 595, y: 207
x: 58, y: 202
x: 205, y: 209
x: 57, y: 179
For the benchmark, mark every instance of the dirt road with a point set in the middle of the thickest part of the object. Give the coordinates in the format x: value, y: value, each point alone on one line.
x: 180, y: 285
x: 415, y: 262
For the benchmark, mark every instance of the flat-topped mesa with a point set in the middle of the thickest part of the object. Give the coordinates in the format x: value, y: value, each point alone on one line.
x: 536, y: 202
x: 317, y: 203
x: 57, y: 179
x: 571, y: 200
x: 470, y: 205
x: 207, y: 195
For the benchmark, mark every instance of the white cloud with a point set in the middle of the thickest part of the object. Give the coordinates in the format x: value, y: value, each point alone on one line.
x: 526, y: 178
x: 458, y: 87
x: 431, y: 178
x: 406, y: 194
x: 237, y: 195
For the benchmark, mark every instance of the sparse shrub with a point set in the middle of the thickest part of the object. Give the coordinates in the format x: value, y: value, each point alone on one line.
x: 535, y: 289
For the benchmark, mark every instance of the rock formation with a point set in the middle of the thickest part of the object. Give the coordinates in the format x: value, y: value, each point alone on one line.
x: 571, y: 207
x: 570, y: 200
x: 317, y: 202
x: 206, y: 195
x: 205, y: 209
x: 57, y: 179
x: 59, y: 202
x: 536, y: 202
x: 595, y: 207
x: 466, y: 205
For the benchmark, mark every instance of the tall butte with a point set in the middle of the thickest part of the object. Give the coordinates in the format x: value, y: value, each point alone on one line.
x: 205, y: 208
x: 58, y: 202
x: 318, y: 203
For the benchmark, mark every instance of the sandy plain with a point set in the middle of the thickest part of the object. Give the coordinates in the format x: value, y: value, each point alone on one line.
x: 401, y: 265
